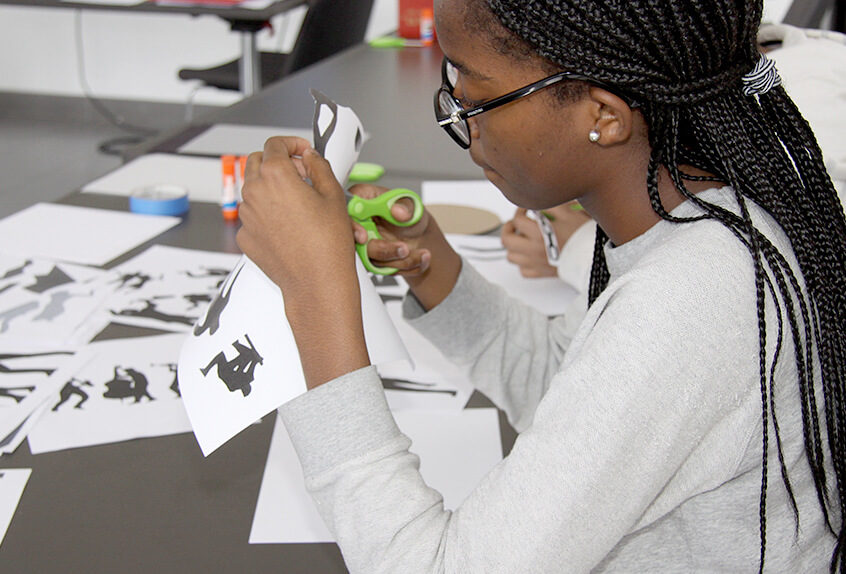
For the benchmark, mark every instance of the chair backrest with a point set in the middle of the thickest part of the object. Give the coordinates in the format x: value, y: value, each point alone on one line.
x: 329, y: 26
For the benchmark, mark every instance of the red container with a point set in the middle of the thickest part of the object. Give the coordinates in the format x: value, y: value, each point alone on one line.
x: 409, y: 17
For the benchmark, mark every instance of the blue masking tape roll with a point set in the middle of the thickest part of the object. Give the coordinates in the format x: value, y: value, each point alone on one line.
x: 160, y: 199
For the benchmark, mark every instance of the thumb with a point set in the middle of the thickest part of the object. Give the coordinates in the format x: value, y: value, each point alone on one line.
x: 319, y: 172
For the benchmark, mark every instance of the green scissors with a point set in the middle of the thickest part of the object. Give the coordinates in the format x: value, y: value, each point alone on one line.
x: 364, y: 210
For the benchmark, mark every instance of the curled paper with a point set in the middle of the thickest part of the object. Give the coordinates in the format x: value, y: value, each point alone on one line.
x: 240, y: 361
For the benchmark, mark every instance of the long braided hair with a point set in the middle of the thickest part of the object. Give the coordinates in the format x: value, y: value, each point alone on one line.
x: 683, y: 62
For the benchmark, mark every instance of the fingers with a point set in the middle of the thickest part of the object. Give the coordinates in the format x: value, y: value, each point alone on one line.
x: 384, y: 253
x: 320, y: 173
x: 278, y: 157
x: 285, y: 146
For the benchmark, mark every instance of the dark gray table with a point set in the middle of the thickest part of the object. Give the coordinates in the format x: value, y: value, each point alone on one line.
x: 391, y: 90
x: 156, y: 504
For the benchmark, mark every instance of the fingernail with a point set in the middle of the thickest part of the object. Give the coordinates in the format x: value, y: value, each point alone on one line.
x: 402, y: 251
x: 424, y: 260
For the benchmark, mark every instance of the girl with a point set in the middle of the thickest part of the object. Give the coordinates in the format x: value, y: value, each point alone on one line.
x: 695, y: 419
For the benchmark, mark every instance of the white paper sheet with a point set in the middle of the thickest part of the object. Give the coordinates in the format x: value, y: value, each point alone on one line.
x: 236, y: 139
x: 201, y: 176
x: 77, y: 234
x: 242, y: 359
x: 471, y: 193
x: 456, y: 451
x: 12, y: 484
x: 127, y: 390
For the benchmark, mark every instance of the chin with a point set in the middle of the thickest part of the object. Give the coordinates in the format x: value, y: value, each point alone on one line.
x: 517, y: 198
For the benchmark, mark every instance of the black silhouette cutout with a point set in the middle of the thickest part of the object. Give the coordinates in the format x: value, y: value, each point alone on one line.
x: 151, y: 312
x: 133, y: 280
x: 70, y: 389
x: 174, y: 386
x: 15, y: 271
x: 211, y: 321
x: 237, y: 374
x: 126, y: 383
x: 52, y: 279
x: 11, y: 356
x: 7, y: 392
x: 403, y: 385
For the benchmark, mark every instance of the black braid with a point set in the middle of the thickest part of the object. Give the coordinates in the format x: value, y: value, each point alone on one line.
x: 682, y: 62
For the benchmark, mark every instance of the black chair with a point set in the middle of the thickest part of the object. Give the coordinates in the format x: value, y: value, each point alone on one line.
x: 328, y: 27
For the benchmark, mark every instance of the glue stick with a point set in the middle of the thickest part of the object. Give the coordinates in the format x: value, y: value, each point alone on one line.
x: 427, y: 26
x: 228, y: 198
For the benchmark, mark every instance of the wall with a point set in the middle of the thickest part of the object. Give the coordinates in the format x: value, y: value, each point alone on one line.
x: 132, y: 56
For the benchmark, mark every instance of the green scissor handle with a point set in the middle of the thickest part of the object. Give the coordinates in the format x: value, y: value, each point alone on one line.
x: 364, y: 210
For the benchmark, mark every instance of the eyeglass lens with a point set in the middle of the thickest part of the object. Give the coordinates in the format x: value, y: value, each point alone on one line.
x: 449, y: 104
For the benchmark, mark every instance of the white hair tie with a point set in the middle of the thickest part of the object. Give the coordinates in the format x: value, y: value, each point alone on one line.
x: 762, y: 78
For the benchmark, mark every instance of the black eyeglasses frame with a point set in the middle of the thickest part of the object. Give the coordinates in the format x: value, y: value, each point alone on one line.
x: 448, y: 121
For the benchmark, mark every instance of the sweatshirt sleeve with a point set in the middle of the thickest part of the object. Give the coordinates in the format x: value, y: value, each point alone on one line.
x: 509, y: 350
x: 609, y: 438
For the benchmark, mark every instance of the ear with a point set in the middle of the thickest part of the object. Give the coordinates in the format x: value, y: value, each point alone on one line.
x: 612, y: 116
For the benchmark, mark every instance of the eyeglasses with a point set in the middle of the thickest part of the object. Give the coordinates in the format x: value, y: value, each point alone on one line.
x: 452, y: 116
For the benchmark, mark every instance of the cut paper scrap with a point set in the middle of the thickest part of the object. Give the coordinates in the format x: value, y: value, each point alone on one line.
x: 241, y: 361
x: 456, y: 450
x: 12, y: 484
x: 128, y: 390
x: 78, y: 234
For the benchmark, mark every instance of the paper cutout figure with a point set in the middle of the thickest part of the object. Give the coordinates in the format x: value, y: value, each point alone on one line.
x: 237, y: 373
x: 4, y: 368
x: 211, y: 320
x: 15, y: 271
x: 71, y: 389
x: 7, y: 316
x: 7, y: 392
x: 414, y: 386
x: 249, y: 302
x: 133, y: 280
x: 52, y: 279
x: 126, y: 383
x: 174, y: 386
x: 150, y: 311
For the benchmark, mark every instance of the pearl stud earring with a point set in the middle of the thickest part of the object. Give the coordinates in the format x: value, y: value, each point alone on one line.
x: 593, y: 136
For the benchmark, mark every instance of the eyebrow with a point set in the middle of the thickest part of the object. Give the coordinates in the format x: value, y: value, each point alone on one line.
x: 469, y: 72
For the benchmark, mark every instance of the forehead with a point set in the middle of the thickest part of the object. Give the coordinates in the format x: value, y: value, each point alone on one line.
x: 464, y: 38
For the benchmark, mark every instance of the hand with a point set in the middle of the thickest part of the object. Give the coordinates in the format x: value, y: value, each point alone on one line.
x: 400, y: 247
x: 297, y: 233
x: 524, y: 243
x: 420, y: 252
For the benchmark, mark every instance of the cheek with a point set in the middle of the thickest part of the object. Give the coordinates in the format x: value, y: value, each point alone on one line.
x: 531, y: 170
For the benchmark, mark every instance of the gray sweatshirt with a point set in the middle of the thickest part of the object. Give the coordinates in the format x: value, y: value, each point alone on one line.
x: 640, y: 446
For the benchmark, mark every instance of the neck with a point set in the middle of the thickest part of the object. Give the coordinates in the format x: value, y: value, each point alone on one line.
x: 622, y: 209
